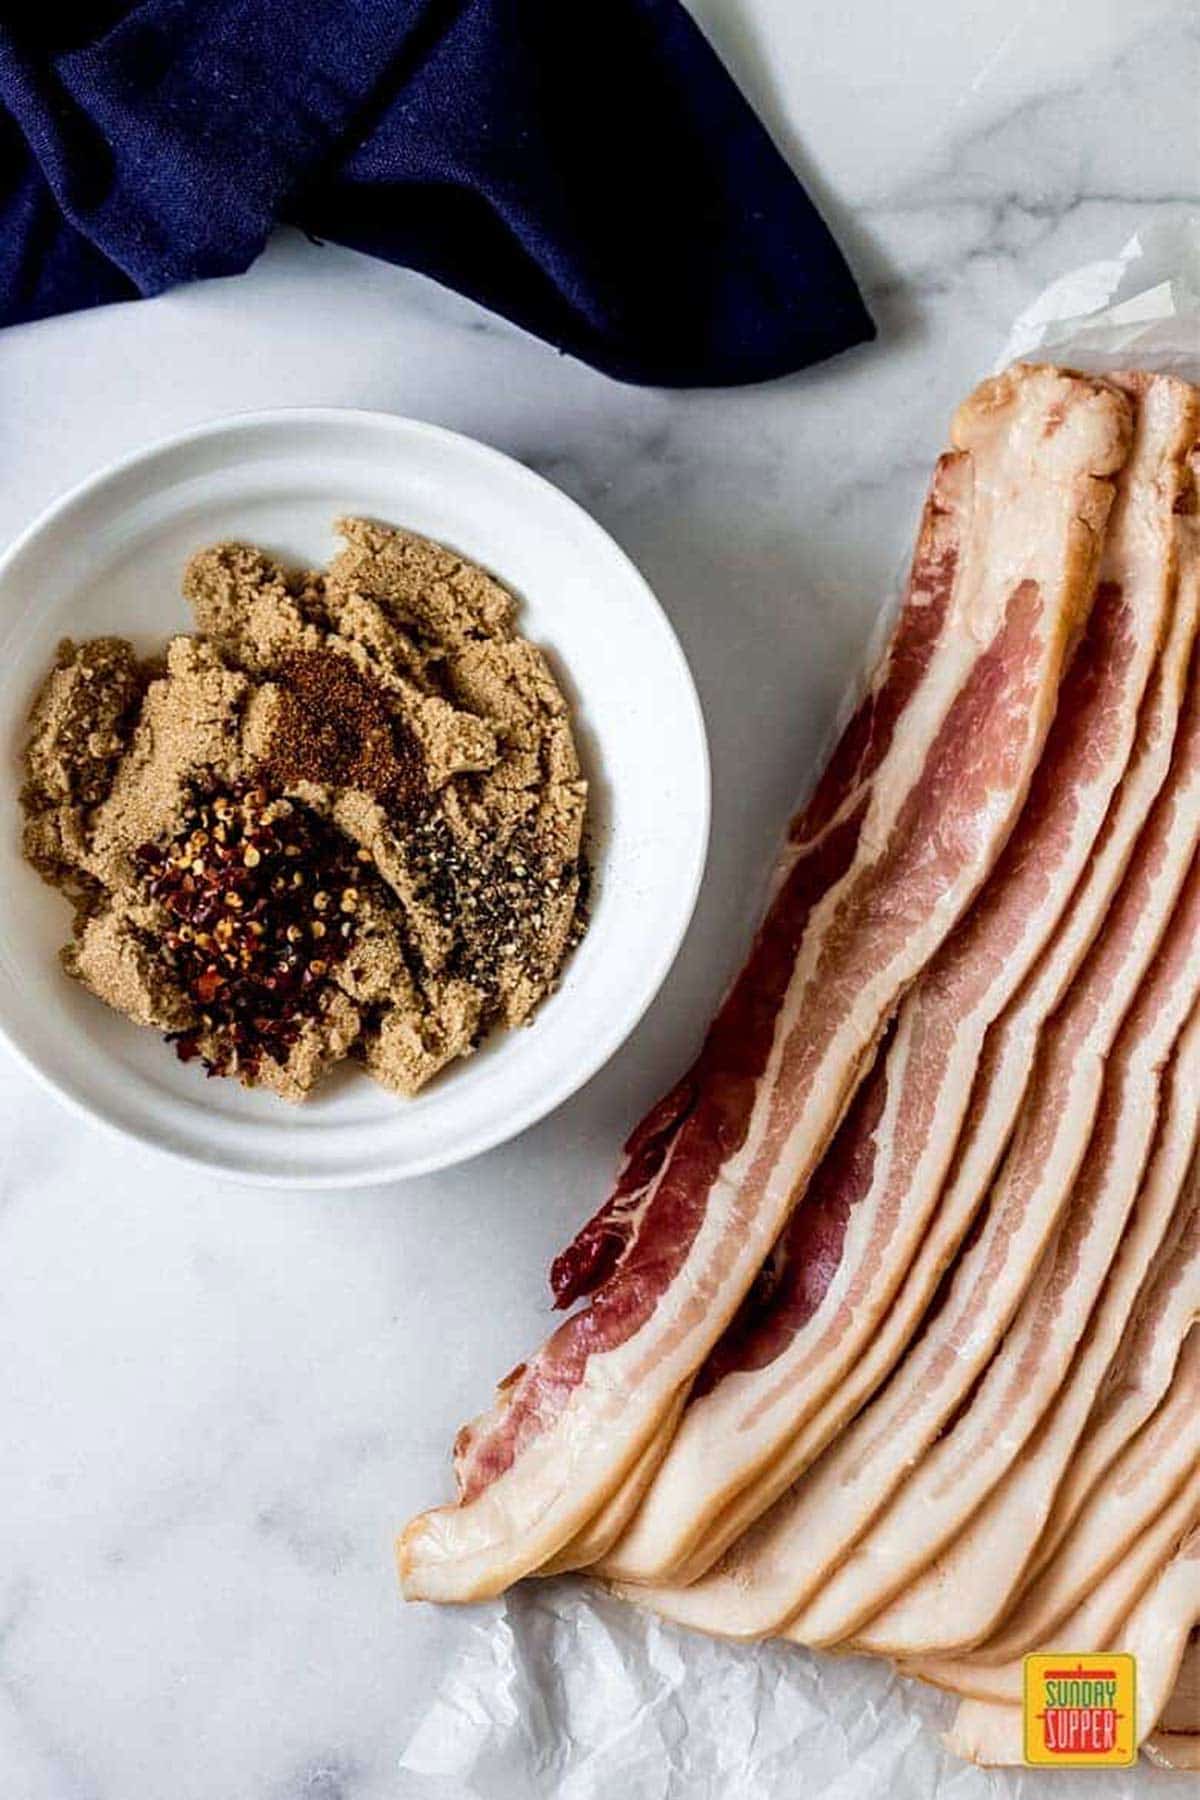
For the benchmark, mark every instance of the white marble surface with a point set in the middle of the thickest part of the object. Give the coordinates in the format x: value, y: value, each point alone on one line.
x: 217, y: 1403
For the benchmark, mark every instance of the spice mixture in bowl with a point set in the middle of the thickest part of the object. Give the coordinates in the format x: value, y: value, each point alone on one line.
x: 344, y: 818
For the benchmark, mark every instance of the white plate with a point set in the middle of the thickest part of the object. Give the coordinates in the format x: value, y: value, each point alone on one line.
x: 108, y: 558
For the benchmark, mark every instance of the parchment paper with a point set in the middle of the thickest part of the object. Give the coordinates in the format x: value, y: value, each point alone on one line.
x: 560, y: 1690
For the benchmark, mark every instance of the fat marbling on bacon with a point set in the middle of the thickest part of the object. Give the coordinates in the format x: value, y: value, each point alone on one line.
x: 1009, y: 548
x: 846, y: 1248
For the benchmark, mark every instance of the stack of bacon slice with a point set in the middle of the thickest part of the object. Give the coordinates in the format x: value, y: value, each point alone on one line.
x: 894, y: 1281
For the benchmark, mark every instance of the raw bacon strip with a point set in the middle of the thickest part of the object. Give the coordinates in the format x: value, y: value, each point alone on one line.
x: 588, y: 1545
x: 910, y: 657
x: 1156, y: 1633
x: 920, y: 645
x: 1177, y: 1750
x: 765, y: 1579
x: 1176, y: 1743
x: 1094, y: 1621
x: 935, y: 1612
x: 847, y: 1246
x: 852, y: 924
x: 1182, y: 1711
x: 1077, y: 1107
x: 1152, y: 1467
x: 842, y: 792
x: 820, y: 843
x: 1000, y: 1083
x: 1142, y: 1372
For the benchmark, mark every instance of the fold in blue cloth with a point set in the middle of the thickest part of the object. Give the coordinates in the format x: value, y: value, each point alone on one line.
x: 585, y: 167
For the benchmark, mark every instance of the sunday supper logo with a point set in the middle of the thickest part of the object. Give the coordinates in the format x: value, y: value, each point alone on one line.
x: 1080, y: 1712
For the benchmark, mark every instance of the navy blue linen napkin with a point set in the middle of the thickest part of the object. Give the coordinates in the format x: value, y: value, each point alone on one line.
x: 585, y: 167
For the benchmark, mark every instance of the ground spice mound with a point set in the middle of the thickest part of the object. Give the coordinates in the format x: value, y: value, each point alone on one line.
x: 345, y: 817
x: 333, y: 727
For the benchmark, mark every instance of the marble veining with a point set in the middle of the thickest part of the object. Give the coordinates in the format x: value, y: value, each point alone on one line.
x: 218, y: 1403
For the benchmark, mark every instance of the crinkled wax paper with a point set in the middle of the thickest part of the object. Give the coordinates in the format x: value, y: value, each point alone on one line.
x: 1139, y: 310
x: 561, y: 1692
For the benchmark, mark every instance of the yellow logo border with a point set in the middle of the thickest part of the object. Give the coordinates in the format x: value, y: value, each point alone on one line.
x: 1035, y: 1667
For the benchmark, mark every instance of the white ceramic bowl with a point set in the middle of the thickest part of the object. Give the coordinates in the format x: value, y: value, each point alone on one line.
x: 108, y: 558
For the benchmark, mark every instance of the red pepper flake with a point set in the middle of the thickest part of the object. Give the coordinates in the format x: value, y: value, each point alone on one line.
x: 256, y: 974
x: 207, y: 986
